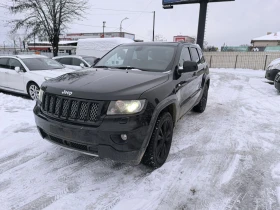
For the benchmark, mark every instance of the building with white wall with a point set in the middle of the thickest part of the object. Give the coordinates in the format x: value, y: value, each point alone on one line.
x: 269, y: 40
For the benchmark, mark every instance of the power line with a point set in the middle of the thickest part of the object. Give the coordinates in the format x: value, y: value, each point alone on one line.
x: 121, y: 10
x: 140, y: 14
x: 92, y: 25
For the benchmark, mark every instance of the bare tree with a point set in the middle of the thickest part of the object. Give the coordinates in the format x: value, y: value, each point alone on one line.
x: 46, y: 17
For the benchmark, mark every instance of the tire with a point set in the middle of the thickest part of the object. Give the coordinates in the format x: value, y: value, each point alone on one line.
x: 160, y: 142
x: 201, y: 106
x: 33, y: 90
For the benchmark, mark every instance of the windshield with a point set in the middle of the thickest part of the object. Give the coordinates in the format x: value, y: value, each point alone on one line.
x: 143, y: 57
x: 37, y: 64
x: 90, y: 60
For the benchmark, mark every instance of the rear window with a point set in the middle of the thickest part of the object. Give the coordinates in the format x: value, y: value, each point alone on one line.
x: 3, y: 62
x: 35, y: 64
x: 66, y: 61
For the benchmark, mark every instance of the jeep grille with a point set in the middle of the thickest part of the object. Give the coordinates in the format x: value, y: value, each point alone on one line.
x: 76, y: 110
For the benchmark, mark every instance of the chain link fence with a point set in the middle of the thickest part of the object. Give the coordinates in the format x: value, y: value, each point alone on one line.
x: 244, y: 60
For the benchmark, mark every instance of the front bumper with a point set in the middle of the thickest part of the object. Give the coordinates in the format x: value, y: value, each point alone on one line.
x: 271, y: 74
x: 103, y: 141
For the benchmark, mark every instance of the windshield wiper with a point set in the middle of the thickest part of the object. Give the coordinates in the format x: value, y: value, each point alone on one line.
x: 127, y: 68
x: 105, y: 67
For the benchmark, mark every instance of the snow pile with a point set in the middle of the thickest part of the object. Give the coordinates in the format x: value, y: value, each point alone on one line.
x: 226, y: 158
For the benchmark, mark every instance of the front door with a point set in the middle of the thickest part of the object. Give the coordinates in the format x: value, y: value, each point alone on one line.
x: 185, y: 84
x: 15, y: 79
x: 196, y: 55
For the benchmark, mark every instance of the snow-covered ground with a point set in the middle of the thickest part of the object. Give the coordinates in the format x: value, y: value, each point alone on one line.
x: 225, y: 158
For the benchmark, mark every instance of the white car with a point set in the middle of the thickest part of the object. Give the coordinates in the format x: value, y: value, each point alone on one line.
x: 25, y: 73
x: 76, y: 62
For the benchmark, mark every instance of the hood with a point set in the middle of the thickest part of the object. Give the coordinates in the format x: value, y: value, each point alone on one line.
x: 101, y: 84
x: 52, y: 73
x: 274, y: 63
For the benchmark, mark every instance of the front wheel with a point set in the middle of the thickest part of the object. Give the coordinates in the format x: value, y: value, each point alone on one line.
x: 33, y: 90
x: 160, y: 142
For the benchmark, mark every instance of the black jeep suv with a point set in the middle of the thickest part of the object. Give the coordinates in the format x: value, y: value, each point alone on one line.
x: 126, y: 106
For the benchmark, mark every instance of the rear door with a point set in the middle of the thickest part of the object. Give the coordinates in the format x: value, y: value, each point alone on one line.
x: 197, y: 74
x: 15, y: 79
x: 3, y: 72
x: 204, y: 67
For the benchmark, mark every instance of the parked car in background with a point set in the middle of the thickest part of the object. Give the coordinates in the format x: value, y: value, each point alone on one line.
x: 277, y: 82
x: 25, y: 73
x: 98, y: 47
x: 126, y: 106
x: 273, y: 69
x: 76, y: 62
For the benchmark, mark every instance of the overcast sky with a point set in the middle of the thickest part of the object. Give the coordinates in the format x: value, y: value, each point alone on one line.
x: 233, y: 23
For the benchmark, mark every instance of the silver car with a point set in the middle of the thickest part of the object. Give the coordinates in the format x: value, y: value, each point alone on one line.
x: 76, y: 62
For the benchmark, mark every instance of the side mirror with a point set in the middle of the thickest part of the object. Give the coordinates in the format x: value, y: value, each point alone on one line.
x: 188, y: 66
x: 17, y: 69
x: 82, y: 65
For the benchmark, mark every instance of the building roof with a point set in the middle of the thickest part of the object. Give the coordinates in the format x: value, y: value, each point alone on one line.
x: 60, y: 42
x: 270, y: 37
x: 25, y: 56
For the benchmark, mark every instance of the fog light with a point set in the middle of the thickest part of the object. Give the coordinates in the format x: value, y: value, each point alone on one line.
x: 124, y: 137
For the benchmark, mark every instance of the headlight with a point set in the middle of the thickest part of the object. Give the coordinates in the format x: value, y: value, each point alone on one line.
x: 47, y: 78
x: 41, y: 93
x: 125, y: 107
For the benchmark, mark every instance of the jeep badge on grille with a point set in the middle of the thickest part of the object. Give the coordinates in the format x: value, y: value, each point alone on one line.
x: 65, y: 92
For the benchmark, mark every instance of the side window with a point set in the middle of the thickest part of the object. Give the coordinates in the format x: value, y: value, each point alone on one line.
x: 195, y: 56
x: 77, y: 62
x: 14, y: 63
x: 3, y: 63
x: 185, y: 56
x: 66, y: 61
x: 202, y: 59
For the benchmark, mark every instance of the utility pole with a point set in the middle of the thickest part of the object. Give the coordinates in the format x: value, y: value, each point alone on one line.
x: 34, y: 41
x: 154, y: 22
x: 104, y: 22
x: 201, y: 23
x: 15, y: 46
x: 4, y: 45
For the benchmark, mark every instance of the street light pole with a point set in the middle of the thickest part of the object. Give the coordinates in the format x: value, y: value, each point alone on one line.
x: 121, y: 23
x: 154, y: 22
x: 104, y: 22
x: 4, y: 45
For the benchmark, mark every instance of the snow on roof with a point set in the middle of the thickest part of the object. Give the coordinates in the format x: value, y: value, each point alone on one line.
x: 270, y: 37
x: 60, y: 42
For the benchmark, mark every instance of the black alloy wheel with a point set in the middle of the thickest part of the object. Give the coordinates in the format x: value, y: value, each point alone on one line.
x: 160, y: 143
